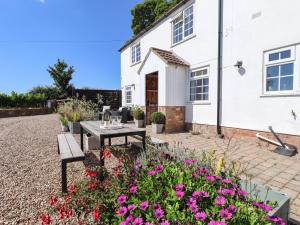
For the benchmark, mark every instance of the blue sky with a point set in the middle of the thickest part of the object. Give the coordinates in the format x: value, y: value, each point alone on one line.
x: 85, y: 33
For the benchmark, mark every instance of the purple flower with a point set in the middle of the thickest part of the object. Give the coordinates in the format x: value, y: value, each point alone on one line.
x: 263, y: 206
x: 226, y: 192
x: 276, y: 220
x: 155, y: 206
x: 129, y: 219
x: 203, y: 171
x: 225, y: 214
x: 226, y: 181
x: 138, y: 221
x: 159, y: 168
x: 216, y: 223
x: 122, y: 199
x: 124, y: 223
x: 204, y: 194
x: 144, y: 205
x: 122, y: 211
x: 241, y: 193
x: 200, y: 216
x: 148, y: 223
x: 210, y: 179
x: 133, y: 189
x: 196, y: 194
x: 159, y: 213
x: 131, y: 207
x: 179, y: 194
x: 231, y: 208
x: 220, y: 201
x: 166, y: 222
x: 189, y: 162
x: 151, y: 173
x: 179, y: 187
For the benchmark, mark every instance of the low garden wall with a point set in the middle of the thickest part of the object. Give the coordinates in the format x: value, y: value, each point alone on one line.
x: 15, y: 112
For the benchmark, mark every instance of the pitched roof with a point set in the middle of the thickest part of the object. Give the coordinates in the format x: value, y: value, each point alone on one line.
x: 167, y: 56
x: 164, y: 16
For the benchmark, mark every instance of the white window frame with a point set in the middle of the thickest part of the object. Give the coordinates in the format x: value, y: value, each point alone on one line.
x: 136, y: 53
x: 279, y: 62
x: 128, y: 90
x: 181, y: 16
x: 202, y: 77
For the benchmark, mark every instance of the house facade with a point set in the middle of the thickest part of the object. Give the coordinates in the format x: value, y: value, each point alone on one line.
x: 173, y: 67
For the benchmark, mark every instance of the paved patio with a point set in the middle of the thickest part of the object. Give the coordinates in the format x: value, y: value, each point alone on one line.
x: 281, y: 173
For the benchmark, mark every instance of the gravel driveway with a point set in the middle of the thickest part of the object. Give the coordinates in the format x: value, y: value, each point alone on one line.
x: 29, y: 167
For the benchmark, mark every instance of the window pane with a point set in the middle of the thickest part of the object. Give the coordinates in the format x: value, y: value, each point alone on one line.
x: 193, y: 83
x: 199, y: 82
x: 177, y: 31
x: 273, y: 71
x: 205, y: 81
x: 287, y: 69
x: 188, y: 21
x: 198, y: 97
x: 286, y: 83
x: 205, y: 97
x: 272, y: 84
x: 274, y: 56
x: 285, y: 54
x: 199, y: 90
x: 205, y: 89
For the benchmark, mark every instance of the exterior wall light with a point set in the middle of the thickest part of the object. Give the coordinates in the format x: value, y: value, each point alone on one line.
x: 239, y: 64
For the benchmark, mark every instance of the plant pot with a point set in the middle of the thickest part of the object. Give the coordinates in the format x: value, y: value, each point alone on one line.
x: 262, y: 193
x: 64, y: 128
x: 139, y: 123
x: 157, y: 128
x: 90, y: 142
x: 74, y: 127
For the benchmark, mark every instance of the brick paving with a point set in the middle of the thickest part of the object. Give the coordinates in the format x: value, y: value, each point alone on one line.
x: 279, y: 172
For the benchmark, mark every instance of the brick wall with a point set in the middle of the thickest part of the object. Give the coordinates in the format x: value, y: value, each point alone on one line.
x: 4, y: 113
x: 211, y: 130
x: 175, y: 118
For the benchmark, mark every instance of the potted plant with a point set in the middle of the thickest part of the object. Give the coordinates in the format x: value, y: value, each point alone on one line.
x: 158, y: 120
x: 64, y: 124
x: 139, y: 116
x: 74, y: 122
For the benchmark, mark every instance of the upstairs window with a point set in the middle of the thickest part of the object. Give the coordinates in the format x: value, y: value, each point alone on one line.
x: 136, y: 53
x: 183, y: 25
x: 279, y: 70
x: 199, y: 85
x: 128, y: 95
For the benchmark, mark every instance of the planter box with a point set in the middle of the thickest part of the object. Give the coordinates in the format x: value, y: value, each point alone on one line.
x: 90, y: 142
x: 139, y: 123
x: 157, y: 128
x: 74, y: 127
x: 64, y: 128
x: 282, y: 210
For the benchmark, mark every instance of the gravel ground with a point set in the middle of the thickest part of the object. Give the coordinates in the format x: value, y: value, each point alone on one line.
x: 30, y: 167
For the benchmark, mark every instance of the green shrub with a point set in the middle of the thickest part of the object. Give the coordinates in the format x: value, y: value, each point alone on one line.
x: 75, y: 117
x: 49, y: 91
x: 22, y: 100
x: 138, y: 114
x: 63, y: 121
x: 158, y: 118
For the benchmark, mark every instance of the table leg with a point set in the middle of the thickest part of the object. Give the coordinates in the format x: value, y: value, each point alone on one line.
x: 81, y: 138
x: 144, y: 142
x: 126, y: 140
x: 109, y: 141
x: 102, y: 151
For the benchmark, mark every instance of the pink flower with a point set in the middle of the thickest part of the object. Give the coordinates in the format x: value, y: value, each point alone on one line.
x: 129, y: 219
x: 231, y: 208
x: 159, y: 168
x: 179, y: 187
x: 122, y: 199
x: 263, y: 206
x: 220, y: 201
x: 138, y: 221
x: 166, y: 222
x: 144, y: 205
x: 45, y: 219
x: 179, y: 194
x: 216, y: 223
x: 151, y: 173
x: 210, y: 179
x: 133, y: 189
x: 225, y: 214
x: 131, y: 207
x: 122, y: 211
x: 159, y: 213
x: 226, y: 181
x: 276, y: 220
x: 200, y: 216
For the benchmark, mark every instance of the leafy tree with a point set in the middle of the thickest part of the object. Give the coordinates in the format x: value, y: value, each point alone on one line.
x: 61, y: 74
x: 146, y: 13
x: 50, y: 92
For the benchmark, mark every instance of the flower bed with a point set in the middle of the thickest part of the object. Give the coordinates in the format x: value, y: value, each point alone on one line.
x: 160, y: 191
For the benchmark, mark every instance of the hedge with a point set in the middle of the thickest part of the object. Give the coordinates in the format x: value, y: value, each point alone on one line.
x: 15, y: 100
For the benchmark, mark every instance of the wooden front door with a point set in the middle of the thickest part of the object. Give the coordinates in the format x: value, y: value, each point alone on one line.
x: 151, y: 95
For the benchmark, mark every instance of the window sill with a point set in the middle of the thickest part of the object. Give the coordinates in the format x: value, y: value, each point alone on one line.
x: 184, y: 40
x: 199, y: 102
x: 134, y: 64
x: 289, y: 94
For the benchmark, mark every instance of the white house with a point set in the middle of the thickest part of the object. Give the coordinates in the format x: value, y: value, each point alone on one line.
x: 244, y: 79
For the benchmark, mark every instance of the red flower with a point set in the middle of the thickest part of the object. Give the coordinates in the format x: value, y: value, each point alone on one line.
x: 90, y: 174
x: 96, y: 215
x: 45, y: 219
x: 116, y: 172
x: 106, y: 154
x: 64, y: 212
x: 72, y: 189
x: 53, y: 201
x: 92, y: 186
x: 120, y: 160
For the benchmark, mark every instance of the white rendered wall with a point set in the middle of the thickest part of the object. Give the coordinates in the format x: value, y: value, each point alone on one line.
x: 250, y: 28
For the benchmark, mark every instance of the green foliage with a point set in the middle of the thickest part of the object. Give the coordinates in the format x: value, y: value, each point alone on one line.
x: 138, y: 114
x: 158, y: 118
x: 22, y: 100
x: 74, y: 117
x: 61, y: 74
x: 144, y: 14
x: 63, y: 121
x: 49, y: 91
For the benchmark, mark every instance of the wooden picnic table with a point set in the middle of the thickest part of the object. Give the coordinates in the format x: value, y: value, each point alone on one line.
x: 93, y: 128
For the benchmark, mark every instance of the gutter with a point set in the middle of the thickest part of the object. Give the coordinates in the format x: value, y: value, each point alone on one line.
x: 220, y: 70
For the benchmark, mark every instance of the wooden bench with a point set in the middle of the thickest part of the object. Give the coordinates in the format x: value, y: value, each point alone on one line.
x: 69, y: 151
